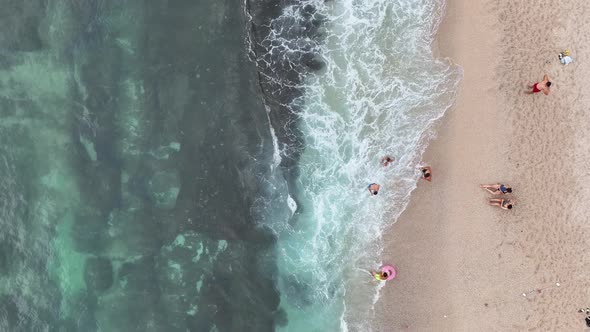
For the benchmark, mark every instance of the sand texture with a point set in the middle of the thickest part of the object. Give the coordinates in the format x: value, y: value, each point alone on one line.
x: 463, y: 265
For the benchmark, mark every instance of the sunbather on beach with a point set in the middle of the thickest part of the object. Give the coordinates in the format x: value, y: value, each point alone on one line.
x: 496, y: 189
x: 505, y: 204
x: 426, y: 173
x: 386, y: 160
x: 541, y: 86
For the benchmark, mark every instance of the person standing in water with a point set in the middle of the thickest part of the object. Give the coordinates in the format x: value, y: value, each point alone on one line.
x: 426, y: 173
x: 541, y: 86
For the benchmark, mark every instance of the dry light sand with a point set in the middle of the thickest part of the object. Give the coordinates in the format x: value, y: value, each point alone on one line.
x: 463, y: 265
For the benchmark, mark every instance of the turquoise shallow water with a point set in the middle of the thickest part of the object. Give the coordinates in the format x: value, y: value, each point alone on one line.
x: 122, y: 124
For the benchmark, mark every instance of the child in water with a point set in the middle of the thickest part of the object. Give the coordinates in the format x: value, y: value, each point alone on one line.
x: 385, y: 272
x: 380, y: 276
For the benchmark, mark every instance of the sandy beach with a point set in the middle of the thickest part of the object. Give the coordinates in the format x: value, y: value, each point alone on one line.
x: 466, y: 266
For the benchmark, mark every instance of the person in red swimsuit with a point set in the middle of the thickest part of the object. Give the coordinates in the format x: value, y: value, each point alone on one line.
x: 541, y: 86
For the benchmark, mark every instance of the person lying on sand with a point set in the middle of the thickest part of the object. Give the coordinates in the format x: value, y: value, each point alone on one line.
x: 496, y: 189
x: 426, y: 173
x: 386, y: 160
x: 505, y: 204
x: 541, y: 86
x: 373, y: 188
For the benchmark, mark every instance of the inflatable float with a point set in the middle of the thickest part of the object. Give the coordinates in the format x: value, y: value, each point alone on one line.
x: 386, y: 272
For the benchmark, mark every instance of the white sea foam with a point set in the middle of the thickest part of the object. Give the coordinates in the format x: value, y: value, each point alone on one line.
x: 276, y: 157
x: 380, y: 93
x: 292, y: 204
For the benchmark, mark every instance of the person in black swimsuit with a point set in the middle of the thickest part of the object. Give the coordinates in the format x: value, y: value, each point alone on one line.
x: 496, y: 189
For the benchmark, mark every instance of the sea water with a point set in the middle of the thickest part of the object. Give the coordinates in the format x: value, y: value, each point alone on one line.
x: 202, y: 166
x: 133, y: 146
x: 379, y: 92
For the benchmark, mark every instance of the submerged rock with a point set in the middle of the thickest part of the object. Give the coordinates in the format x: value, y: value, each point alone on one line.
x: 7, y: 257
x: 83, y: 309
x: 88, y: 233
x: 67, y: 325
x: 9, y: 313
x: 98, y: 274
x: 24, y: 29
x: 164, y: 187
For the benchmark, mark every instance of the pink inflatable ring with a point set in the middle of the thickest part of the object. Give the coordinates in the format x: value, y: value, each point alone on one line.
x: 387, y: 272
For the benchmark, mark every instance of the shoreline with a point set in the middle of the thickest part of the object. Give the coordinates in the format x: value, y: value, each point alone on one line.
x: 427, y: 241
x: 463, y: 265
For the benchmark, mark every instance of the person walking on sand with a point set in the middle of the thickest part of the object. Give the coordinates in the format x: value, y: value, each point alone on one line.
x: 373, y: 189
x: 426, y: 173
x: 505, y: 204
x: 496, y: 189
x: 386, y: 160
x: 541, y: 86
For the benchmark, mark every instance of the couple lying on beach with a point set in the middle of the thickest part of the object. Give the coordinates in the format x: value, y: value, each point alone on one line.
x: 499, y: 189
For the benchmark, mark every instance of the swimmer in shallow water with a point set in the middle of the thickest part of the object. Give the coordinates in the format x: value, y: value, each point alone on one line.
x: 426, y: 173
x: 381, y: 276
x: 373, y: 189
x: 385, y: 273
x: 386, y: 160
x: 496, y: 189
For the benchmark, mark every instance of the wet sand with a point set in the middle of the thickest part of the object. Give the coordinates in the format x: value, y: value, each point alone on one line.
x: 466, y: 266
